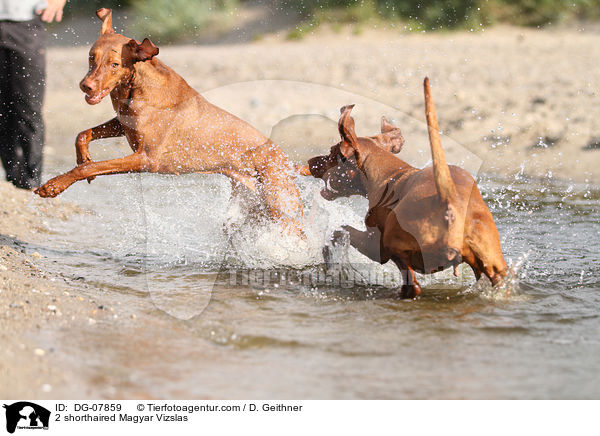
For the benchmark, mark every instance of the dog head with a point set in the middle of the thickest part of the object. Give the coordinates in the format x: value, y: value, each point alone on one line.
x: 341, y: 175
x: 111, y: 60
x: 341, y: 168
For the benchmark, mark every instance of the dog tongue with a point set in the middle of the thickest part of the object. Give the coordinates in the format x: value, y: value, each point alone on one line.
x: 93, y: 100
x: 98, y: 97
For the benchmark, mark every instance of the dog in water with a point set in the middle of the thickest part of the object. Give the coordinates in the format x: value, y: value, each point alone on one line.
x: 423, y: 220
x: 172, y: 129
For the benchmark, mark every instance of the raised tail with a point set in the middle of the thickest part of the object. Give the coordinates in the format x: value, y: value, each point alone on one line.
x: 443, y: 179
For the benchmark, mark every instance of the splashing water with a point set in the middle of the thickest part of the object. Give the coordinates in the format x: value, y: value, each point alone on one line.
x: 190, y: 224
x: 177, y: 245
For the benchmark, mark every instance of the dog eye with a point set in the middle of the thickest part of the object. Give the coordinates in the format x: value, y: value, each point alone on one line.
x: 115, y: 65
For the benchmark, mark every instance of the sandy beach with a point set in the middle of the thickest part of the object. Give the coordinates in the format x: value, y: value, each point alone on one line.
x: 34, y: 301
x: 510, y: 101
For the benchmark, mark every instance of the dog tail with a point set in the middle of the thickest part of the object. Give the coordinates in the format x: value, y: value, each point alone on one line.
x: 346, y: 127
x: 443, y: 180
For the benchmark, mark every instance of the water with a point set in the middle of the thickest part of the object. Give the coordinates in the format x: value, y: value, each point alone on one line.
x: 162, y: 248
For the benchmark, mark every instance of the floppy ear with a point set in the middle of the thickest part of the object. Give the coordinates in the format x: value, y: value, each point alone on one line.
x: 386, y: 126
x: 144, y: 51
x: 105, y: 15
x: 349, y: 143
x: 391, y: 136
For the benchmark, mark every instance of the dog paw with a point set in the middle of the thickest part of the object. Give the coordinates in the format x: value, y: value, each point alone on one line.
x: 83, y: 156
x: 339, y: 237
x: 410, y: 291
x: 53, y: 187
x: 83, y: 159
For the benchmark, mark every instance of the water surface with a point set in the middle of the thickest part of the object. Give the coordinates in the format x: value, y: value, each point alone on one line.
x: 161, y: 248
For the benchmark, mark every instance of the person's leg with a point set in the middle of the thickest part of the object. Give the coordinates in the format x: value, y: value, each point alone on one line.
x: 11, y: 160
x: 28, y: 82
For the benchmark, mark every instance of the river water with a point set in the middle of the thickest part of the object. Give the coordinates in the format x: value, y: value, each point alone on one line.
x: 222, y: 313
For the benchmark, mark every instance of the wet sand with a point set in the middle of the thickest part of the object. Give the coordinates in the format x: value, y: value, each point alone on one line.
x: 33, y: 300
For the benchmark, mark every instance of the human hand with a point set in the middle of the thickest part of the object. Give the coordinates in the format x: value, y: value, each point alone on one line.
x: 54, y: 9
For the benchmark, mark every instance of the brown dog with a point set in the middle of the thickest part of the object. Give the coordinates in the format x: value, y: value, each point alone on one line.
x: 423, y: 220
x: 172, y: 129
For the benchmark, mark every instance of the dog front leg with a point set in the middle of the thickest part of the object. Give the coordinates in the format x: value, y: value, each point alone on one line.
x: 411, y: 287
x: 367, y: 243
x: 110, y: 129
x: 134, y: 163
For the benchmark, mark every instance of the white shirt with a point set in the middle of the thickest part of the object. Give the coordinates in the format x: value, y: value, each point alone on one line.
x: 20, y: 10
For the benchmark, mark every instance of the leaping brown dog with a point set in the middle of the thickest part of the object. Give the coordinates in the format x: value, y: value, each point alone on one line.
x: 172, y: 129
x: 423, y: 220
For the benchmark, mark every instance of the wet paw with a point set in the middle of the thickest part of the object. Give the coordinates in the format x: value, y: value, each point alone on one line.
x: 53, y: 187
x: 410, y: 291
x: 86, y: 158
x: 339, y: 236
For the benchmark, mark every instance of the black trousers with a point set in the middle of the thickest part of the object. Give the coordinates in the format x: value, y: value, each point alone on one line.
x: 22, y: 83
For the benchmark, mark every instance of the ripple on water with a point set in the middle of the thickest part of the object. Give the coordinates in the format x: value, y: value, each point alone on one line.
x: 164, y: 245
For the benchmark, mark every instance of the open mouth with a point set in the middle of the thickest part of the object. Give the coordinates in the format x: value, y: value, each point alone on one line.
x: 95, y: 99
x: 328, y: 193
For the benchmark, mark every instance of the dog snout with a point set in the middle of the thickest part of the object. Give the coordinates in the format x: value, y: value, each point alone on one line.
x: 316, y: 166
x: 87, y: 85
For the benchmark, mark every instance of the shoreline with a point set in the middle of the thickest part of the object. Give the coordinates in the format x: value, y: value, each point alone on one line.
x: 36, y: 304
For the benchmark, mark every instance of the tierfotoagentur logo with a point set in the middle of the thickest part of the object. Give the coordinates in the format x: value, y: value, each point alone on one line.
x: 24, y: 415
x: 200, y: 238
